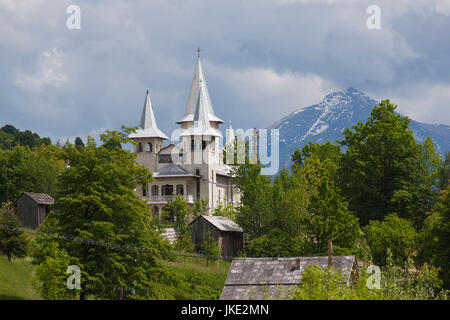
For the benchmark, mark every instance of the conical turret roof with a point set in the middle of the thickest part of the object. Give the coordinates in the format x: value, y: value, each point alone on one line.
x: 148, y: 127
x: 199, y: 83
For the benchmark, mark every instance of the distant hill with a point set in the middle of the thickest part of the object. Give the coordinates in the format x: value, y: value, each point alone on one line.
x: 10, y: 136
x: 339, y: 110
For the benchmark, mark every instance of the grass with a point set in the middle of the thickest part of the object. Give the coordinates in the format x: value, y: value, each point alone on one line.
x: 16, y: 280
x: 195, y: 279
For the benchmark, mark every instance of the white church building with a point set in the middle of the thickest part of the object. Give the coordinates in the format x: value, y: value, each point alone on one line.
x: 193, y: 167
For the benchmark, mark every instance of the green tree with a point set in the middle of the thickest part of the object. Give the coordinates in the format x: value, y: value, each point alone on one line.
x: 327, y: 284
x: 95, y: 200
x: 277, y: 243
x: 79, y: 142
x: 225, y: 210
x: 51, y: 262
x: 328, y: 154
x: 210, y: 248
x: 395, y: 284
x: 200, y: 207
x: 443, y: 172
x: 435, y: 237
x: 382, y: 169
x: 255, y: 213
x: 394, y: 234
x: 327, y: 218
x: 13, y: 242
x: 177, y: 213
x: 22, y: 169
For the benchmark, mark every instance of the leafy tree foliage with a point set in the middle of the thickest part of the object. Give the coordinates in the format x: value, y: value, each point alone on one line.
x: 435, y: 237
x: 277, y: 243
x: 225, y: 210
x: 327, y: 218
x: 210, y: 248
x: 177, y: 213
x: 79, y: 142
x: 256, y: 214
x: 11, y: 136
x: 444, y: 173
x: 396, y: 284
x: 22, y: 169
x: 200, y: 207
x: 384, y: 170
x: 13, y: 242
x: 394, y: 234
x: 51, y: 261
x: 328, y: 154
x: 95, y: 200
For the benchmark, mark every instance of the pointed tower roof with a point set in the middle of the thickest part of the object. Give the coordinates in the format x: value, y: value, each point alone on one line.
x: 148, y: 127
x: 201, y: 123
x: 197, y: 83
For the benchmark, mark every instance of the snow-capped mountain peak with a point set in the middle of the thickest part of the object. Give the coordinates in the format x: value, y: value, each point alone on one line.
x: 337, y: 111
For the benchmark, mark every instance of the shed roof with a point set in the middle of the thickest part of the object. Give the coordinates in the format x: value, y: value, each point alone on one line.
x: 250, y: 277
x: 222, y: 223
x: 41, y: 198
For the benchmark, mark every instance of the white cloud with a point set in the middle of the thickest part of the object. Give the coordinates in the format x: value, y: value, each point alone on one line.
x: 425, y: 102
x: 48, y: 72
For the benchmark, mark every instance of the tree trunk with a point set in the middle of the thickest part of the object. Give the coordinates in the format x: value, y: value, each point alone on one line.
x: 83, y: 291
x: 120, y: 294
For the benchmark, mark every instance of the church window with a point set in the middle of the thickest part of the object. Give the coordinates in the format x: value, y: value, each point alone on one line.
x: 140, y: 147
x: 149, y: 147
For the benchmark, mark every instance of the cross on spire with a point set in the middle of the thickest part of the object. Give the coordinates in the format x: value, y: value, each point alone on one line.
x: 198, y: 52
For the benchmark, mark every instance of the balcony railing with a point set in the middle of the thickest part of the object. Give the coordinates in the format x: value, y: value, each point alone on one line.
x: 165, y: 199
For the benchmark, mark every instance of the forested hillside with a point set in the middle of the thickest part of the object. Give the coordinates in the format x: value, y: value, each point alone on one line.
x: 11, y: 137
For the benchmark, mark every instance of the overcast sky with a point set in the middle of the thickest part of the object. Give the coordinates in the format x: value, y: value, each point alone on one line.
x: 262, y: 59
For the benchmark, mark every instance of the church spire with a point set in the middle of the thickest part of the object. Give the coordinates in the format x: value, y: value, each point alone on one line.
x: 198, y: 82
x: 147, y: 126
x: 201, y: 123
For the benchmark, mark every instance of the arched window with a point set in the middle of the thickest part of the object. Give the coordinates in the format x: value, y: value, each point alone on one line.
x: 139, y: 147
x: 149, y: 147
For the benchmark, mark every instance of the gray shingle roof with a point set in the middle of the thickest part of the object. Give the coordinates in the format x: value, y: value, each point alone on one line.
x: 41, y: 198
x: 223, y: 223
x: 169, y: 234
x: 170, y: 170
x: 259, y: 278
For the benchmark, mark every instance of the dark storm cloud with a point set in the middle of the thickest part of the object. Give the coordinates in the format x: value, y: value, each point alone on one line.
x: 262, y: 59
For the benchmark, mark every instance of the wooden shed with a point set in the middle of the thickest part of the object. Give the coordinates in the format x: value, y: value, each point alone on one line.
x: 32, y: 208
x: 228, y: 235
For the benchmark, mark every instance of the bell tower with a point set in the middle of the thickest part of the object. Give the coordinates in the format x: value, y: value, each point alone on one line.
x: 200, y: 135
x: 148, y: 137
